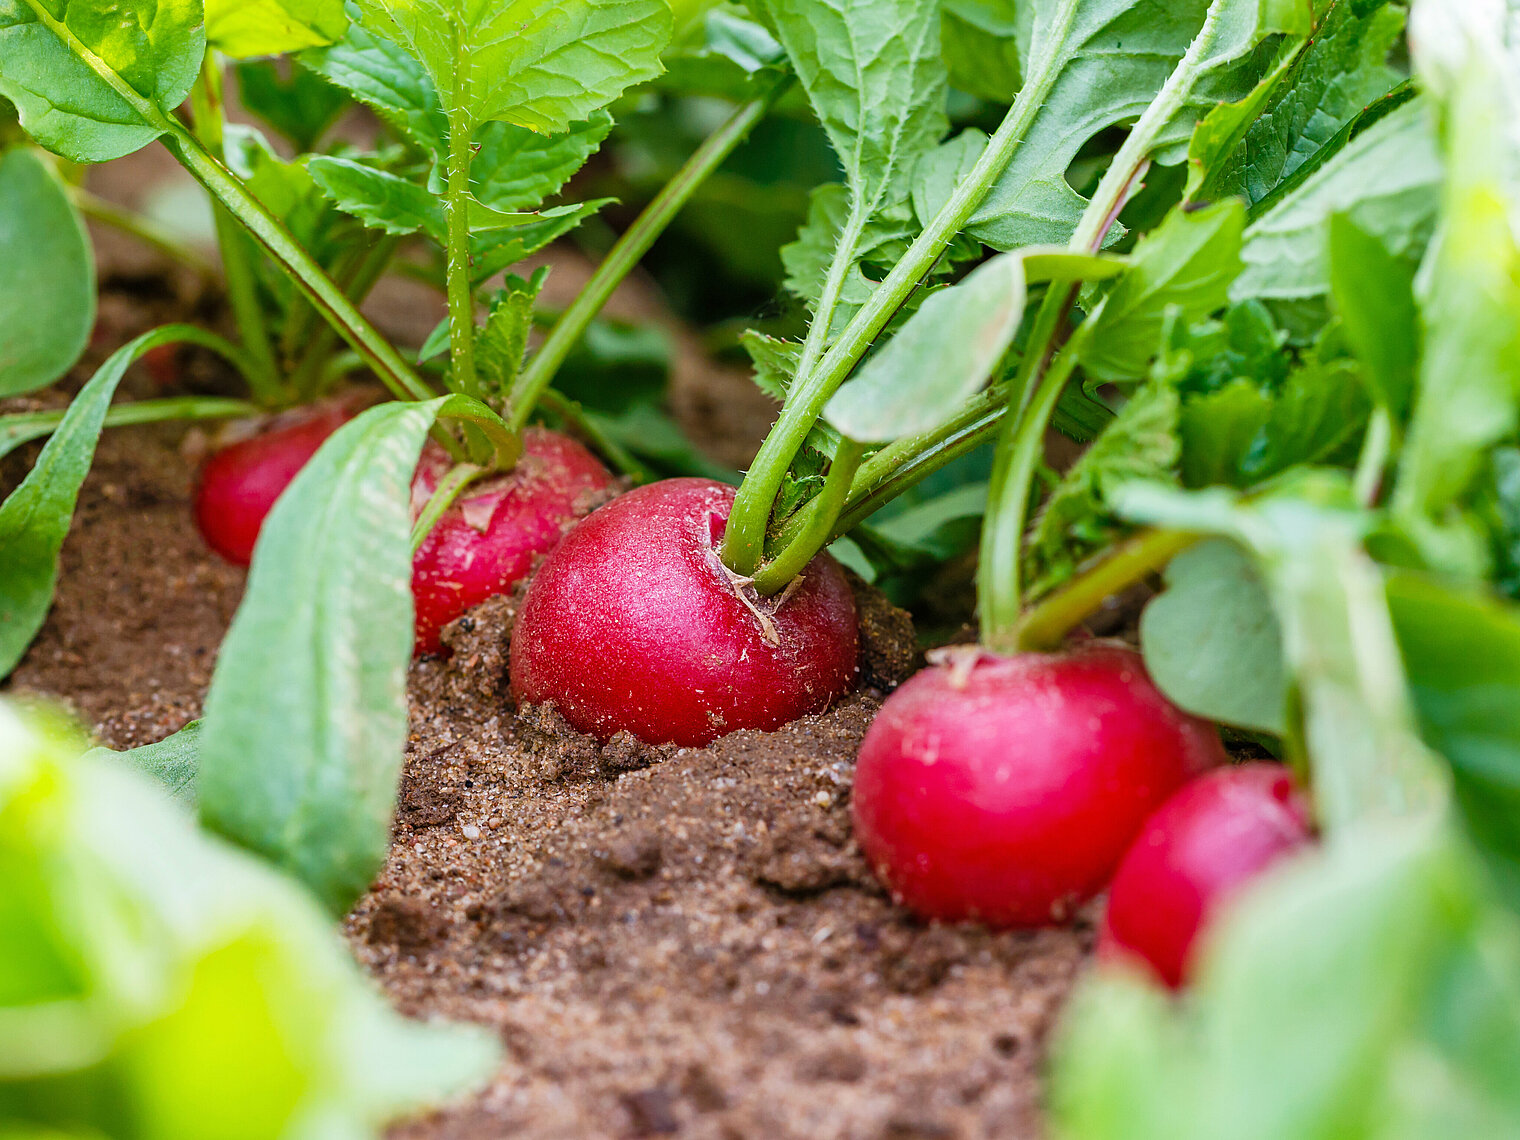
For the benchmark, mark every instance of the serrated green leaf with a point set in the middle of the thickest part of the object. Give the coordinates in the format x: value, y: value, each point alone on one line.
x: 380, y: 74
x: 311, y: 678
x: 244, y: 28
x: 1106, y: 61
x: 1212, y: 643
x: 516, y: 169
x: 807, y: 260
x: 47, y: 293
x: 723, y: 55
x: 1185, y: 266
x: 1386, y: 181
x: 154, y: 46
x: 1077, y: 518
x: 775, y: 362
x: 503, y: 343
x: 297, y: 102
x: 941, y: 356
x: 35, y: 518
x: 495, y: 250
x: 539, y: 64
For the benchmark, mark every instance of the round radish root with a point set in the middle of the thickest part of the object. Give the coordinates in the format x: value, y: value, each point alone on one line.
x: 239, y: 484
x: 1198, y: 849
x: 488, y: 540
x: 634, y: 623
x: 1006, y: 789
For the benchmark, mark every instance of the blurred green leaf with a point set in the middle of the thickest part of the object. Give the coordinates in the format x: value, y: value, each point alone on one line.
x: 173, y: 761
x: 296, y: 101
x: 980, y: 39
x: 244, y: 28
x: 1373, y: 293
x: 47, y: 294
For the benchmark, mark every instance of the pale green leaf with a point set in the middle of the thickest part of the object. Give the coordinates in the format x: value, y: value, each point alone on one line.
x: 244, y: 28
x: 153, y: 46
x: 173, y: 762
x: 47, y: 293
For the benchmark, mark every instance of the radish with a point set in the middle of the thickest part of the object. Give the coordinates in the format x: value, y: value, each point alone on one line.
x: 239, y: 484
x: 634, y: 623
x: 1006, y: 789
x: 1197, y: 850
x: 487, y: 541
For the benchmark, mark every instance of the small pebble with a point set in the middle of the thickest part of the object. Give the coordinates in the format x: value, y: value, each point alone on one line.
x: 470, y: 831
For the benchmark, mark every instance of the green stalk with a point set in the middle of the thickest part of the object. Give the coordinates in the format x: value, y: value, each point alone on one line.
x: 456, y: 208
x: 310, y: 375
x: 145, y: 230
x: 999, y: 571
x: 449, y: 489
x: 23, y: 427
x: 622, y: 460
x: 1372, y: 463
x: 237, y: 262
x: 1046, y: 624
x: 377, y: 352
x: 629, y: 251
x: 744, y: 540
x: 813, y: 535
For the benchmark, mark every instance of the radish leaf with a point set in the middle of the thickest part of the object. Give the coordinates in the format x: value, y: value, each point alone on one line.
x: 243, y: 28
x: 173, y: 761
x: 311, y: 679
x: 154, y: 47
x: 47, y: 297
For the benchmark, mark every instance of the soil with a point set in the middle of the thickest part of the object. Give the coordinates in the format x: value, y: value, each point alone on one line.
x: 679, y: 942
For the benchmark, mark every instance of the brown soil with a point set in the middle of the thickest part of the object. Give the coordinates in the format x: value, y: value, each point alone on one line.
x: 673, y: 942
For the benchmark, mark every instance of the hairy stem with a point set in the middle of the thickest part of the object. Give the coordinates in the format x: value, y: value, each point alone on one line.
x: 743, y: 543
x: 628, y: 251
x: 1046, y: 624
x: 456, y: 208
x: 814, y: 534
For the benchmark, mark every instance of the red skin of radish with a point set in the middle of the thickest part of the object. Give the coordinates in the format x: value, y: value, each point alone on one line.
x: 1194, y: 853
x: 1006, y: 791
x: 240, y: 483
x: 633, y: 623
x: 489, y: 539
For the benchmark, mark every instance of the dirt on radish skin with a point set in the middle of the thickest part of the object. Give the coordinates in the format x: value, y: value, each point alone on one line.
x: 763, y: 986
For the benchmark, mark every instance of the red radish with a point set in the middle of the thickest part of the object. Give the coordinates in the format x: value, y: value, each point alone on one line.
x: 240, y: 483
x: 634, y: 623
x: 162, y: 363
x: 487, y: 541
x: 1197, y: 850
x: 1006, y: 789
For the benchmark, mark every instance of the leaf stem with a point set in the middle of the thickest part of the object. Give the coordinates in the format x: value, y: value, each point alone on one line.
x: 743, y: 543
x: 450, y: 487
x: 23, y: 427
x: 629, y: 250
x: 237, y: 263
x: 144, y: 229
x: 814, y: 534
x: 456, y: 208
x: 1046, y: 624
x: 311, y: 374
x: 1372, y: 464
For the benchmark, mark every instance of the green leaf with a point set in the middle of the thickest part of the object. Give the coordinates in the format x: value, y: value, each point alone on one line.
x: 153, y: 47
x: 1212, y: 643
x: 1251, y: 148
x: 503, y: 343
x: 1462, y: 654
x: 724, y: 55
x: 22, y: 427
x: 1187, y: 264
x: 47, y: 294
x: 775, y: 362
x: 808, y: 260
x: 35, y: 518
x: 540, y: 64
x: 495, y: 250
x: 981, y: 48
x: 1373, y: 293
x: 1108, y: 61
x: 516, y: 169
x: 1386, y: 181
x: 1366, y: 989
x: 941, y: 356
x: 380, y: 74
x: 311, y: 679
x: 296, y: 101
x: 159, y: 983
x: 244, y: 28
x: 173, y: 761
x: 1469, y: 383
x: 1077, y: 519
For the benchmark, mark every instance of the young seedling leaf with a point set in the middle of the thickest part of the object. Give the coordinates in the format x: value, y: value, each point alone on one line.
x: 311, y: 678
x: 775, y: 362
x: 503, y: 342
x: 35, y: 518
x: 1212, y: 642
x: 172, y: 761
x: 245, y: 28
x: 153, y: 48
x: 1386, y: 180
x: 540, y: 64
x: 1187, y: 264
x: 1105, y: 62
x: 941, y: 356
x: 47, y: 281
